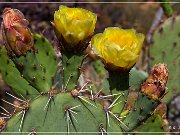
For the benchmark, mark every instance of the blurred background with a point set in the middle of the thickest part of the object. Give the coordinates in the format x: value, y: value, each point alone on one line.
x: 144, y: 17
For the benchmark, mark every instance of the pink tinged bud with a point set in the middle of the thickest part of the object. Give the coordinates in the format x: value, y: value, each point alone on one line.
x: 155, y: 85
x: 16, y: 34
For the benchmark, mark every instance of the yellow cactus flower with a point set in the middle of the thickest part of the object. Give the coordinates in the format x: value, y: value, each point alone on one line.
x: 118, y: 47
x: 74, y: 24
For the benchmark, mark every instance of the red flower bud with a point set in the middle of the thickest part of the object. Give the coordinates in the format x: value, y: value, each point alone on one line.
x: 16, y: 34
x: 155, y: 85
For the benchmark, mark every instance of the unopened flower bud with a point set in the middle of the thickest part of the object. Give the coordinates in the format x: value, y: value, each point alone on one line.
x: 16, y: 34
x: 155, y: 85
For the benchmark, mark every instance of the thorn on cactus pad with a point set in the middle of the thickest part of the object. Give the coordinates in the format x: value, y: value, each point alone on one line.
x: 70, y: 76
x: 51, y: 95
x: 21, y: 65
x: 6, y: 115
x: 82, y: 88
x: 24, y: 107
x: 32, y: 132
x: 102, y: 130
x: 141, y: 109
x: 5, y: 110
x: 118, y: 119
x: 47, y: 104
x: 82, y: 98
x: 107, y: 96
x: 33, y: 79
x: 114, y: 102
x: 15, y: 97
x: 22, y: 120
x: 70, y: 115
x: 12, y: 104
x: 140, y: 118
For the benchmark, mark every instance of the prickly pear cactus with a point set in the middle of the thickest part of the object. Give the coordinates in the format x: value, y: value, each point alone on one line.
x: 156, y: 124
x: 166, y: 48
x: 47, y: 87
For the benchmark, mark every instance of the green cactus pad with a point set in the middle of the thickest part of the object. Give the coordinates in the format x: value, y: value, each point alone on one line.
x: 142, y: 109
x: 123, y: 83
x: 38, y: 67
x: 14, y: 79
x: 166, y: 49
x: 136, y: 78
x: 54, y: 117
x: 152, y: 124
x: 46, y: 55
x: 71, y: 69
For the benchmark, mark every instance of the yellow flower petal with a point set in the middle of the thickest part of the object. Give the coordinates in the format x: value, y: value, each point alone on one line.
x: 74, y: 24
x: 118, y: 46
